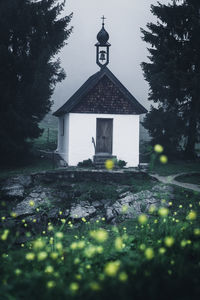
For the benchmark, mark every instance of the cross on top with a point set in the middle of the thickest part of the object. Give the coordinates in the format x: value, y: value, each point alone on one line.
x: 103, y: 18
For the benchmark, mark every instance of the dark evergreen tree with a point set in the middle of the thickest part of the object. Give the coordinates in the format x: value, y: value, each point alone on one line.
x: 173, y: 72
x: 31, y: 35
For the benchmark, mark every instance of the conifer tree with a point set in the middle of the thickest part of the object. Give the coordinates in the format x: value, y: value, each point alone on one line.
x: 31, y: 35
x: 173, y: 72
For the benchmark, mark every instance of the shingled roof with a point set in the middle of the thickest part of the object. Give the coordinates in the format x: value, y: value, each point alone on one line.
x: 90, y: 84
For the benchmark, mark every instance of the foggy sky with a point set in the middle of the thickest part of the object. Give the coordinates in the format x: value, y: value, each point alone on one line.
x: 123, y: 21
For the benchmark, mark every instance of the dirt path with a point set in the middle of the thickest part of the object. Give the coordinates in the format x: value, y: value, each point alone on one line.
x: 172, y: 180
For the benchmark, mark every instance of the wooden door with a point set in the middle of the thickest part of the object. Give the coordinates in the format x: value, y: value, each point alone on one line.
x: 104, y: 136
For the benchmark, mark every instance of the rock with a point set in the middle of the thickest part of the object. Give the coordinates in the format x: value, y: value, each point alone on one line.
x: 106, y: 203
x: 79, y: 211
x: 125, y: 194
x: 84, y: 203
x: 97, y: 203
x: 25, y: 180
x: 110, y: 215
x: 14, y: 187
x: 118, y: 207
x: 13, y: 191
x: 34, y: 195
x: 25, y: 207
x: 43, y: 195
x: 132, y: 205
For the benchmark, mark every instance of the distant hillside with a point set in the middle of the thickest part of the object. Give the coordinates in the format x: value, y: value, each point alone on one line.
x: 48, y: 140
x: 49, y: 121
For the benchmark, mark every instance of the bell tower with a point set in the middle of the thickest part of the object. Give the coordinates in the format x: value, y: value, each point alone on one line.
x: 102, y: 54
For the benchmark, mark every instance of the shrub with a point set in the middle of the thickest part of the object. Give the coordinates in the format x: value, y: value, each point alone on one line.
x: 121, y: 163
x: 86, y: 163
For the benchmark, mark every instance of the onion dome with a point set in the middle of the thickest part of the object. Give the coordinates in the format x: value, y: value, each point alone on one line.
x: 102, y: 36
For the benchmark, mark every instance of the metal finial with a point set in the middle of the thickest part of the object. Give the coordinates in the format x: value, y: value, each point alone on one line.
x: 103, y: 18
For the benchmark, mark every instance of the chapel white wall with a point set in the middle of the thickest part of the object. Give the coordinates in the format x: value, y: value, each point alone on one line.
x: 77, y: 145
x: 63, y: 139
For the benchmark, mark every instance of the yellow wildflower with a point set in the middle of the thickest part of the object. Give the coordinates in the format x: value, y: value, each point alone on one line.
x: 13, y: 214
x: 163, y: 159
x: 197, y: 231
x: 31, y: 203
x: 74, y: 286
x: 158, y: 148
x: 99, y: 249
x: 73, y: 246
x: 78, y: 276
x: 42, y: 255
x: 162, y: 250
x: 30, y: 256
x: 51, y: 284
x: 59, y: 246
x: 142, y: 247
x: 50, y: 228
x: 163, y: 211
x: 59, y: 235
x: 149, y: 253
x: 192, y: 215
x: 142, y: 219
x: 49, y: 269
x: 109, y: 164
x: 38, y: 244
x: 100, y: 235
x: 54, y: 255
x: 95, y: 286
x: 169, y: 241
x: 76, y: 261
x: 111, y: 268
x: 81, y: 244
x: 18, y: 272
x: 123, y: 276
x: 152, y: 209
x: 4, y: 236
x: 90, y: 251
x: 119, y: 243
x: 124, y: 209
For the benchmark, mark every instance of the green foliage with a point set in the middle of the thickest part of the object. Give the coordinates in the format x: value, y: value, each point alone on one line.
x: 165, y: 127
x: 173, y: 74
x: 86, y: 163
x: 32, y: 34
x: 121, y: 163
x: 159, y: 254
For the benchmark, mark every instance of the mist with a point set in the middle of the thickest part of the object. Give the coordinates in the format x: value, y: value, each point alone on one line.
x: 124, y: 18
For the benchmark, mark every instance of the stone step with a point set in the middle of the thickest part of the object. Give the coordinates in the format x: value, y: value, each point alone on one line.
x: 99, y: 160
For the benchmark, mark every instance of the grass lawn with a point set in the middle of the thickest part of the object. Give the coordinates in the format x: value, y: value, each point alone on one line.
x: 37, y: 164
x: 176, y: 167
x: 193, y: 178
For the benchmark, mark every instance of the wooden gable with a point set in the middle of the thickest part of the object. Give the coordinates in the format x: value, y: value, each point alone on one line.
x: 102, y: 93
x: 105, y: 98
